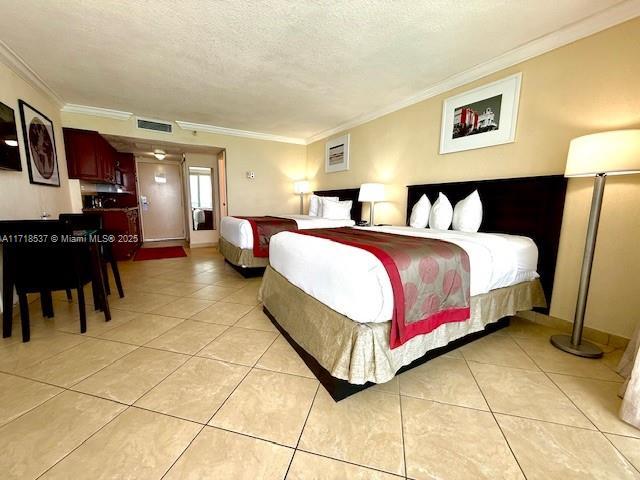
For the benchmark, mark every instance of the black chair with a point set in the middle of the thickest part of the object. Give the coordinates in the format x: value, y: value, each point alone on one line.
x: 38, y: 259
x: 93, y: 221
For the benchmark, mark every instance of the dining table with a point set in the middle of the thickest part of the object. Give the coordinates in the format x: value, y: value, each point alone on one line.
x: 47, y: 234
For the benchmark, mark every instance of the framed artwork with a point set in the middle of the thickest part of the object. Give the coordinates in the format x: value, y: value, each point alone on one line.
x: 336, y: 155
x: 40, y: 146
x: 9, y: 147
x: 481, y: 117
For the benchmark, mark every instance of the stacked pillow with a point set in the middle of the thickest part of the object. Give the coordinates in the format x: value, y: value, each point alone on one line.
x: 465, y: 217
x: 329, y: 207
x: 335, y: 209
x: 315, y: 205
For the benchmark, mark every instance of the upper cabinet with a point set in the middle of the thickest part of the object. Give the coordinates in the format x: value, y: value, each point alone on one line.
x: 126, y: 165
x: 89, y: 156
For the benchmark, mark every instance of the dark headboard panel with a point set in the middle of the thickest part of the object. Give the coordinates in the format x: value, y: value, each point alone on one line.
x: 346, y: 194
x: 529, y: 206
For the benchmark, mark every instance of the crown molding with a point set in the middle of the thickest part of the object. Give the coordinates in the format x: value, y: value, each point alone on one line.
x: 12, y: 60
x: 600, y: 21
x: 201, y: 127
x: 96, y: 111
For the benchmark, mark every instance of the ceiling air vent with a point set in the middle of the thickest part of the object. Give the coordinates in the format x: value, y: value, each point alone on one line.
x: 154, y: 125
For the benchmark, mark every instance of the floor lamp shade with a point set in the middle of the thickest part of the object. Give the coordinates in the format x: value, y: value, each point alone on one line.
x: 613, y: 153
x: 372, y: 193
x: 597, y: 155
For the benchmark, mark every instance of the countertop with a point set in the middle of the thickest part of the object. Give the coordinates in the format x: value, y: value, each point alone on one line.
x: 112, y: 209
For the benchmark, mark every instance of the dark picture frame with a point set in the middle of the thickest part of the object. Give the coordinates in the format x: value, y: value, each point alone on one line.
x: 40, y: 146
x: 9, y: 144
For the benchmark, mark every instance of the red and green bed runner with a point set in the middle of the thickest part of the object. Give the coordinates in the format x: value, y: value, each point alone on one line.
x: 429, y: 278
x: 264, y: 228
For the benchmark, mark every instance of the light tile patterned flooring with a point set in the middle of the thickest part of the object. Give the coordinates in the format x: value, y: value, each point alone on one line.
x: 191, y: 380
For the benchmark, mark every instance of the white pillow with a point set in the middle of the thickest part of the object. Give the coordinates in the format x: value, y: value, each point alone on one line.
x: 420, y: 213
x: 467, y: 216
x: 336, y: 210
x: 441, y: 213
x: 315, y: 205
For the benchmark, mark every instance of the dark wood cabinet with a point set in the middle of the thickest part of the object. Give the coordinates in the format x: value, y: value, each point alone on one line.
x: 126, y: 165
x: 124, y: 224
x: 89, y: 156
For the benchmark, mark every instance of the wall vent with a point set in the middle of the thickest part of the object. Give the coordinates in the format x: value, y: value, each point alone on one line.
x: 154, y: 125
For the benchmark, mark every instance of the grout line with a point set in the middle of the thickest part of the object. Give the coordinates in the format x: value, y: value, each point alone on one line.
x: 495, y: 419
x: 295, y: 449
x: 402, y: 434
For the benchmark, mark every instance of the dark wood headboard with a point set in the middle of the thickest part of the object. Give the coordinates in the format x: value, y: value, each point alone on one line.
x: 529, y: 206
x: 346, y: 194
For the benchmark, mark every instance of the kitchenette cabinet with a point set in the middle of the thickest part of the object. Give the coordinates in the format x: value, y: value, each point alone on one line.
x: 124, y: 225
x: 89, y: 156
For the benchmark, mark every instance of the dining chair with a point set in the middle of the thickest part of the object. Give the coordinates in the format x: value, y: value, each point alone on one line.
x: 40, y: 261
x: 93, y: 221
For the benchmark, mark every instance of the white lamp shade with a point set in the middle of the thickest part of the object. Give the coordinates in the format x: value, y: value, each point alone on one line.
x: 614, y: 153
x: 371, y: 192
x: 301, y: 186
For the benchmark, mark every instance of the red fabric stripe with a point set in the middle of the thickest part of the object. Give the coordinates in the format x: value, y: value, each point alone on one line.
x: 400, y: 332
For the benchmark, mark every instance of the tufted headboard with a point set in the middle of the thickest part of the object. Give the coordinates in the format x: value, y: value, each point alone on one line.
x: 529, y: 206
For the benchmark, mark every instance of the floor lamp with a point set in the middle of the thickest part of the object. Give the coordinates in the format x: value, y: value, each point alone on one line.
x: 372, y: 193
x: 301, y: 187
x: 597, y: 155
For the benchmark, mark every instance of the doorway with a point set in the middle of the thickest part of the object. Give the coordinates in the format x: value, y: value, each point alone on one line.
x: 161, y: 201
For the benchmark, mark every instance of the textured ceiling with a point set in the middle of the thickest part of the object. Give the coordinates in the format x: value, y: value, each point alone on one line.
x: 284, y: 67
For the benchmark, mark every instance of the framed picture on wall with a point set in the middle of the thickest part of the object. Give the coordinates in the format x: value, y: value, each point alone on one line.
x: 481, y: 117
x: 40, y: 146
x: 9, y: 148
x: 336, y: 155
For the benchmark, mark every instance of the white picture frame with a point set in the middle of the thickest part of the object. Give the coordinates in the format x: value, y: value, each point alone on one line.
x: 336, y: 154
x: 482, y: 117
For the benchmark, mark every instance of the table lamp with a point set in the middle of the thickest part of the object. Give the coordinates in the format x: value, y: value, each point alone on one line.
x: 372, y: 193
x: 300, y: 188
x: 597, y: 155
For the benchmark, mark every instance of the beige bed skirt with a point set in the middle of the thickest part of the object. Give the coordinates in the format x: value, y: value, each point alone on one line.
x: 359, y: 352
x: 242, y: 257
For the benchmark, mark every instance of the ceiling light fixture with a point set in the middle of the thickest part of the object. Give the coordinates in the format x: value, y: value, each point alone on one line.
x: 11, y: 143
x: 159, y: 154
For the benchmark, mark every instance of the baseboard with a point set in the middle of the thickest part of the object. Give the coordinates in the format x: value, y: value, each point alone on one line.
x: 598, y: 336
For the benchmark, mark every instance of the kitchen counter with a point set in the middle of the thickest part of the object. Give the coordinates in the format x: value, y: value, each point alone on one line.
x: 111, y: 209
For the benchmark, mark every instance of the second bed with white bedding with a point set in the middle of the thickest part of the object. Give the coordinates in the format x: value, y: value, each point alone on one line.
x: 356, y: 284
x: 239, y: 233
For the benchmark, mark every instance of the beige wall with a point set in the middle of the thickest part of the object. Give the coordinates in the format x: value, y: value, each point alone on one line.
x: 21, y: 199
x: 276, y: 165
x: 587, y: 86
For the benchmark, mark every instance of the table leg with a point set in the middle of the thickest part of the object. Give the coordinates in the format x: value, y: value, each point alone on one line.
x: 7, y: 292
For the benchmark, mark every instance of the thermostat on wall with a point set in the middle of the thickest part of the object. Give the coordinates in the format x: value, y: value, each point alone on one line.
x: 251, y: 175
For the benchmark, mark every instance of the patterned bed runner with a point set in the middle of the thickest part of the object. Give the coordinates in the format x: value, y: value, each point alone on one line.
x: 429, y: 278
x: 264, y: 228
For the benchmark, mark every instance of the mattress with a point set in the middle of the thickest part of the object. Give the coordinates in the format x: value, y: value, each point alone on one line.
x: 354, y: 283
x: 238, y: 232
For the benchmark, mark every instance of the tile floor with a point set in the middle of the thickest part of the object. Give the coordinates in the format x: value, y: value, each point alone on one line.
x: 191, y: 380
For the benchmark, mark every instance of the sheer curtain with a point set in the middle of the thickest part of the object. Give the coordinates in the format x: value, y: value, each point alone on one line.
x: 629, y: 368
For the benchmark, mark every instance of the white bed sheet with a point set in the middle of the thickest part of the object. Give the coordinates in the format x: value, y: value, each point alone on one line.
x: 354, y: 282
x: 239, y: 233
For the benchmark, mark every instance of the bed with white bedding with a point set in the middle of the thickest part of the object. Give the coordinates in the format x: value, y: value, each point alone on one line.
x: 333, y: 301
x: 237, y: 235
